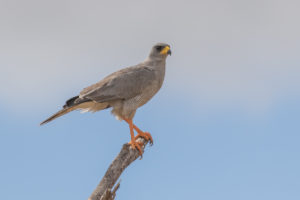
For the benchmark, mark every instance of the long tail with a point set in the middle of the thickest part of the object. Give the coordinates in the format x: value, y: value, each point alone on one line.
x: 77, y: 103
x: 59, y: 113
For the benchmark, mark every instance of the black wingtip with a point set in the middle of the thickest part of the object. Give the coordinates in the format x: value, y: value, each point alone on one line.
x: 70, y: 102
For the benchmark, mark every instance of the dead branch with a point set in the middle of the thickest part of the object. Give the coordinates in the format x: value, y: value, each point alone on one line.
x: 126, y: 156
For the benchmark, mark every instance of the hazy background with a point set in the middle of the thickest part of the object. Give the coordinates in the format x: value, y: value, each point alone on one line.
x: 225, y: 124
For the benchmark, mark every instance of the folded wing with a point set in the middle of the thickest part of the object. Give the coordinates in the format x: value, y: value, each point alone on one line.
x: 121, y: 85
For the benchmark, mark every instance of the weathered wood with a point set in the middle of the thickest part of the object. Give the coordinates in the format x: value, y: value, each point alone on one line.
x: 110, y: 195
x: 126, y: 156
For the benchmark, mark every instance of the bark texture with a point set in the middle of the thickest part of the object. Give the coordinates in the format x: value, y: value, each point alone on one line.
x: 126, y: 156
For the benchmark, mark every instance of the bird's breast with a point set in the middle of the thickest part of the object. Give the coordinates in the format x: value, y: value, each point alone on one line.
x: 148, y: 92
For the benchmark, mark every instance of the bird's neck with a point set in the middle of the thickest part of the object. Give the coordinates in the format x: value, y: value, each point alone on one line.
x: 155, y: 61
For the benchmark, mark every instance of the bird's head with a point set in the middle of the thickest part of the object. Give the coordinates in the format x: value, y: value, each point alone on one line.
x: 160, y: 51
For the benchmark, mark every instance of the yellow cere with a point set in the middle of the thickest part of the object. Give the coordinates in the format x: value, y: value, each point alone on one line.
x: 165, y: 50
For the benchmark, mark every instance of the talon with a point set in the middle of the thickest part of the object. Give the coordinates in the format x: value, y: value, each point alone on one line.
x: 147, y: 136
x: 137, y: 146
x: 133, y: 143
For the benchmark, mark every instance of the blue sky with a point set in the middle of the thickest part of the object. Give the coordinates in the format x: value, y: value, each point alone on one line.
x: 212, y: 155
x: 225, y: 124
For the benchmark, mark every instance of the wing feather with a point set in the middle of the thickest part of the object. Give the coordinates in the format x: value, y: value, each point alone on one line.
x: 121, y: 85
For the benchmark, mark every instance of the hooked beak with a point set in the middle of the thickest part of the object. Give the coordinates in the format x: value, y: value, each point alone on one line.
x: 166, y: 51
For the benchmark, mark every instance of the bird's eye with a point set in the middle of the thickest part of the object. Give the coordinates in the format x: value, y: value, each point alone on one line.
x: 159, y: 48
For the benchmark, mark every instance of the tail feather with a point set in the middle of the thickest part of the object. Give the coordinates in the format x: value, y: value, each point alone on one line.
x: 58, y: 114
x: 81, y: 104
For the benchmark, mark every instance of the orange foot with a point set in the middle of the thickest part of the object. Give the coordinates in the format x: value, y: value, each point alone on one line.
x: 137, y: 146
x: 142, y: 134
x: 133, y: 143
x: 145, y: 135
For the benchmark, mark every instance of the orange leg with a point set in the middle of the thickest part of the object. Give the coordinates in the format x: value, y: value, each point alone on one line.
x: 145, y: 135
x: 133, y: 143
x: 142, y: 134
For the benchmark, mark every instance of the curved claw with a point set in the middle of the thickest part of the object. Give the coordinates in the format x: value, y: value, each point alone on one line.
x: 137, y: 146
x: 146, y: 135
x: 133, y: 143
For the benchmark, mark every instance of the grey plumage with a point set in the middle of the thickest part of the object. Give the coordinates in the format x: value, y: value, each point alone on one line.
x: 125, y: 90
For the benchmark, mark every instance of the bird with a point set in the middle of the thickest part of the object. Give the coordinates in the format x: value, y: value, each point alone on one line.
x: 124, y: 91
